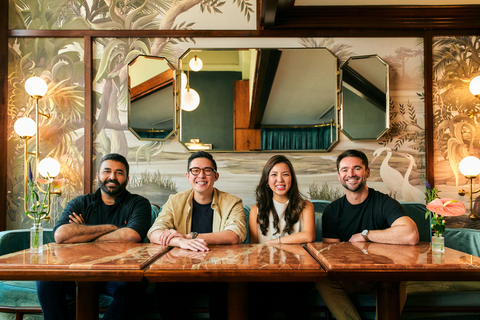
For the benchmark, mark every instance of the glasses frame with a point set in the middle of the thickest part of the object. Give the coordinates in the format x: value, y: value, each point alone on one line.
x: 202, y: 170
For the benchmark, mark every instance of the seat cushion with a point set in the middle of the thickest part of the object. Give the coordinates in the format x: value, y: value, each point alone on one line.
x: 24, y: 294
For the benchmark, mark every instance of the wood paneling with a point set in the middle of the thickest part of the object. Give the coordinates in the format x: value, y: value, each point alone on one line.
x: 3, y: 112
x: 245, y: 139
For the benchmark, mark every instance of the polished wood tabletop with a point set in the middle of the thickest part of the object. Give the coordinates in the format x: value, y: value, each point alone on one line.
x: 379, y: 262
x: 389, y: 264
x: 237, y: 265
x: 84, y: 263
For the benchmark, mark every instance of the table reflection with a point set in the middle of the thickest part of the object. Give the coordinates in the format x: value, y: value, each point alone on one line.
x: 242, y: 256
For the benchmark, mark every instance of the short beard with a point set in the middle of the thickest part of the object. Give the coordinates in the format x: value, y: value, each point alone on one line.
x: 361, y: 185
x: 121, y: 187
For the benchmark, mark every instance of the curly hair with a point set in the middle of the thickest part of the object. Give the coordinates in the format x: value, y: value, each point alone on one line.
x: 264, y: 197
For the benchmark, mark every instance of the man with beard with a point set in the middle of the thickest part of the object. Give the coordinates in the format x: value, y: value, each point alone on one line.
x: 362, y: 215
x: 111, y: 214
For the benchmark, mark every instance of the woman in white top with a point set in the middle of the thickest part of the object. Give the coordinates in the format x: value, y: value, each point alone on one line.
x: 281, y: 214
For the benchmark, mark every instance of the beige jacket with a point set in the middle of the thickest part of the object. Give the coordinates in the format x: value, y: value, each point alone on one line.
x: 228, y: 214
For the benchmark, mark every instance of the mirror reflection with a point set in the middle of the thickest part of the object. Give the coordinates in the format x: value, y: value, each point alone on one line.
x: 151, y: 111
x: 259, y: 99
x: 364, y: 98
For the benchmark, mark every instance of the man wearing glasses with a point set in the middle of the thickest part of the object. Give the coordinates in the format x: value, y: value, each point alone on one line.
x: 203, y: 215
x: 192, y: 220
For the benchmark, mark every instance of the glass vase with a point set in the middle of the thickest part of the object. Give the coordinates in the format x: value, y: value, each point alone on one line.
x: 36, y: 238
x: 438, y: 244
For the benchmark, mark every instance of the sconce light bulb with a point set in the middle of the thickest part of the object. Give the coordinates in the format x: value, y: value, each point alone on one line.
x: 25, y: 127
x: 475, y: 86
x: 49, y: 167
x: 36, y: 86
x: 190, y: 100
x: 196, y: 64
x: 183, y: 80
x: 470, y: 166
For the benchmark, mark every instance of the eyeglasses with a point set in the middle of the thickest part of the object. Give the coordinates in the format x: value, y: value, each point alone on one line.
x: 207, y: 171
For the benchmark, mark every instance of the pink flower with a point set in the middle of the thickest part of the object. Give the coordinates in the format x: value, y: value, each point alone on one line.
x: 447, y: 207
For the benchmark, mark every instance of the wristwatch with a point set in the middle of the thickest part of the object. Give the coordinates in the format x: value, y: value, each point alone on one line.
x: 194, y: 234
x: 365, y: 235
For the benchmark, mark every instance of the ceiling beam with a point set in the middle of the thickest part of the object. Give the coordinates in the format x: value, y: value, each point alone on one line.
x: 377, y: 17
x: 267, y: 64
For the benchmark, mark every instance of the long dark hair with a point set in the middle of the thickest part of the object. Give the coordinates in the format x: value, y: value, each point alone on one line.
x: 264, y: 197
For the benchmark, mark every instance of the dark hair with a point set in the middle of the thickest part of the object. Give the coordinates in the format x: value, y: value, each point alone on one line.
x: 264, y: 196
x: 201, y: 154
x: 115, y: 157
x: 353, y: 153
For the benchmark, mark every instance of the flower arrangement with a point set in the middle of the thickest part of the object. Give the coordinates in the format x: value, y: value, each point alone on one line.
x: 38, y: 210
x: 438, y: 208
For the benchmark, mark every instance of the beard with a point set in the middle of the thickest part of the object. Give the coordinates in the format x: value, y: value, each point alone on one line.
x: 361, y: 184
x: 112, y: 192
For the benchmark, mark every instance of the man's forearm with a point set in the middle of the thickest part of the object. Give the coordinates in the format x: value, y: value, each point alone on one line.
x: 73, y: 233
x: 220, y: 237
x: 120, y: 235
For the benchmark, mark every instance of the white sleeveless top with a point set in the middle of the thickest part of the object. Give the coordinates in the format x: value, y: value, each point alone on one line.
x: 280, y: 208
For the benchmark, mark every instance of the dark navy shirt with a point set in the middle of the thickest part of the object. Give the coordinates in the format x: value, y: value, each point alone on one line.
x: 130, y: 210
x: 202, y: 217
x: 378, y: 211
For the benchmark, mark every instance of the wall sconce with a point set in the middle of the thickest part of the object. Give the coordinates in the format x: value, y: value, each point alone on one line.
x: 195, y: 144
x: 470, y: 168
x: 26, y: 128
x: 196, y: 63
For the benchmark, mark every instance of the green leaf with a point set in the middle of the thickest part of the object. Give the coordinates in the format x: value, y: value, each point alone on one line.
x: 105, y: 60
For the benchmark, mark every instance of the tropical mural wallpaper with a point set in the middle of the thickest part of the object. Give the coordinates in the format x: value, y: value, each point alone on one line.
x: 158, y: 168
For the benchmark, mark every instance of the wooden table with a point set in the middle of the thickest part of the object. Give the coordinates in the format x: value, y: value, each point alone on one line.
x: 84, y: 263
x: 237, y: 265
x: 390, y: 264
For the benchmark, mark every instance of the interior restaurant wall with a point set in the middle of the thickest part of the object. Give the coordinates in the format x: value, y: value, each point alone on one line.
x: 158, y: 168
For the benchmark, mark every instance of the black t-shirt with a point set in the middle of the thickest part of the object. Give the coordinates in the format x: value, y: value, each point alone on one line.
x: 202, y: 217
x: 341, y: 219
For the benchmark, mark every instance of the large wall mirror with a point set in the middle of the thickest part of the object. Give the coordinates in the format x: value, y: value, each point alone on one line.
x: 151, y: 111
x: 258, y: 99
x: 364, y: 98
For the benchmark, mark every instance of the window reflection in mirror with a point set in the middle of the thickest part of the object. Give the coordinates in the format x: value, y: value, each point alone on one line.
x: 364, y: 98
x: 151, y: 111
x: 261, y: 99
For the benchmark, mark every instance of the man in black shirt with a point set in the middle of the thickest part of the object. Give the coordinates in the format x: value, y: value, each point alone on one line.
x: 362, y: 215
x: 111, y: 214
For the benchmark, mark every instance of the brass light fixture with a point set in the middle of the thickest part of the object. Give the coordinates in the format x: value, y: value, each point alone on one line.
x: 470, y: 168
x: 26, y: 128
x: 190, y: 98
x: 196, y: 64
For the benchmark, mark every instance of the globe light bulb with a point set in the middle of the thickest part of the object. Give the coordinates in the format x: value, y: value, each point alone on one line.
x: 475, y: 86
x: 25, y: 127
x: 183, y: 80
x: 196, y: 64
x: 470, y: 166
x: 49, y: 167
x: 190, y: 99
x: 36, y: 86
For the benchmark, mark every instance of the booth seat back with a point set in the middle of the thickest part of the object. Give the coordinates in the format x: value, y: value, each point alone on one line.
x: 414, y: 210
x: 16, y: 240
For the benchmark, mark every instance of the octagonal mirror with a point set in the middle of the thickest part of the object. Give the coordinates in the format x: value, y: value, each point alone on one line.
x: 364, y: 98
x: 151, y: 111
x: 259, y: 99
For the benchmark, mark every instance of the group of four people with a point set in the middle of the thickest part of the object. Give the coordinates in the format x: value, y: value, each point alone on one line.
x: 204, y: 215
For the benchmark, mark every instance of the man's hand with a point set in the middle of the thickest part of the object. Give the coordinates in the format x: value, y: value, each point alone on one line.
x: 192, y: 244
x: 167, y: 235
x: 76, y: 218
x: 357, y: 237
